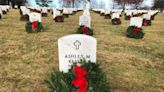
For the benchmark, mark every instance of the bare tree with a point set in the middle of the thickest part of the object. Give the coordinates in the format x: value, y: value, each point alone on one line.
x: 43, y: 2
x: 102, y: 4
x: 123, y: 3
x: 159, y: 4
x: 94, y: 4
x: 72, y: 2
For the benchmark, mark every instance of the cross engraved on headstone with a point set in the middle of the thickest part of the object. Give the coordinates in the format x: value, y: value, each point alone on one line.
x: 77, y: 44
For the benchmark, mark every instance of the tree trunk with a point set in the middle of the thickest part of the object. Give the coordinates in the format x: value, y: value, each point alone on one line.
x: 136, y: 6
x: 13, y: 4
x: 73, y: 2
x: 124, y: 6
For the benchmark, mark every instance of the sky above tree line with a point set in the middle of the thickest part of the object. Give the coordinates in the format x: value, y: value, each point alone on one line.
x: 108, y: 3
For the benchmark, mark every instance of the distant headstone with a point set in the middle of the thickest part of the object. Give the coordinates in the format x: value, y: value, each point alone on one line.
x: 147, y: 16
x: 73, y: 48
x: 1, y: 11
x: 35, y: 17
x: 136, y: 21
x: 115, y: 15
x: 44, y: 10
x: 65, y: 11
x: 25, y: 11
x: 56, y: 13
x: 85, y: 21
x: 4, y: 8
x: 129, y: 13
x: 86, y: 12
x: 16, y: 6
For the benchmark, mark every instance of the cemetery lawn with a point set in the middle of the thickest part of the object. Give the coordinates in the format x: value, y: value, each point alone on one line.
x: 131, y: 65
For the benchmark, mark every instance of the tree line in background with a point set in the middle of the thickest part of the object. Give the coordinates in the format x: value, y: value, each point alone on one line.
x: 158, y: 4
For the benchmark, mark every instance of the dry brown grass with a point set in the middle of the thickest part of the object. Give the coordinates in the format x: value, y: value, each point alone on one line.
x: 131, y: 65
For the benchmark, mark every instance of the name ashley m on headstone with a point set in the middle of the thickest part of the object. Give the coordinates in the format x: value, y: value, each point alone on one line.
x: 73, y: 48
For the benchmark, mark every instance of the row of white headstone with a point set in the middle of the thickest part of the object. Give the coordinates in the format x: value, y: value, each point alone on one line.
x: 116, y: 13
x: 45, y: 9
x: 84, y: 20
x: 33, y: 16
x: 134, y: 21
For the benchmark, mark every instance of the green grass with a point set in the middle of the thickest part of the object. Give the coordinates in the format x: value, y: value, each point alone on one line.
x: 131, y: 65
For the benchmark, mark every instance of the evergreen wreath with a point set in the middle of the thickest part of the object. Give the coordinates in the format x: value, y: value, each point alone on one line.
x: 91, y: 79
x: 85, y: 30
x: 24, y: 18
x: 59, y: 19
x: 4, y: 12
x: 34, y: 27
x: 127, y: 17
x: 116, y: 21
x: 44, y: 14
x: 134, y: 32
x: 146, y: 22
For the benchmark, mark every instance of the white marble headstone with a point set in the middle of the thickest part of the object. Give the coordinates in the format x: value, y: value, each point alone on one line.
x: 16, y: 6
x: 136, y: 21
x: 1, y: 11
x: 115, y: 15
x: 22, y: 8
x: 85, y: 21
x: 4, y: 8
x: 129, y: 13
x: 65, y: 11
x: 56, y: 13
x: 147, y: 16
x: 25, y: 11
x: 35, y: 17
x: 73, y: 48
x: 44, y: 10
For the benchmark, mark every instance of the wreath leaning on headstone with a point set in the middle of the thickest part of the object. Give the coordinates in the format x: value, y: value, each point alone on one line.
x: 44, y: 14
x: 85, y: 30
x: 127, y: 17
x: 24, y: 17
x: 32, y: 27
x: 116, y: 21
x: 146, y: 22
x: 134, y: 32
x: 88, y: 77
x: 59, y: 19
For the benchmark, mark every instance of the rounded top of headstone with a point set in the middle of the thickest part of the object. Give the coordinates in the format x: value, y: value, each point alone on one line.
x: 78, y: 36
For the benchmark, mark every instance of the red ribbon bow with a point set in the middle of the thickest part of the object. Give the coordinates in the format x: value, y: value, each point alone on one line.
x: 59, y: 18
x: 145, y: 22
x: 136, y: 29
x: 34, y: 25
x: 80, y: 80
x: 85, y: 30
x: 117, y: 20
